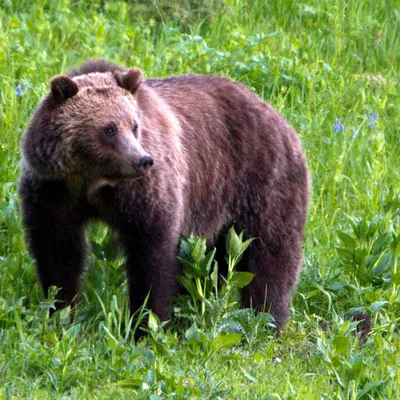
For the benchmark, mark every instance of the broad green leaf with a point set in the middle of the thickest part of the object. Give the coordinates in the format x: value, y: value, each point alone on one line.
x: 357, y: 368
x: 184, y: 250
x: 196, y: 336
x: 190, y: 268
x: 345, y: 255
x: 368, y: 387
x: 396, y: 278
x: 371, y: 260
x: 364, y: 229
x: 376, y: 306
x: 74, y: 330
x: 336, y: 286
x: 247, y: 243
x: 199, y: 250
x: 349, y: 242
x: 385, y: 262
x: 240, y: 279
x: 225, y: 341
x: 341, y: 344
x: 190, y: 286
x: 192, y: 333
x: 360, y: 255
x: 382, y: 242
x: 146, y: 353
x: 233, y: 243
x: 207, y: 262
x: 130, y: 383
x: 374, y: 225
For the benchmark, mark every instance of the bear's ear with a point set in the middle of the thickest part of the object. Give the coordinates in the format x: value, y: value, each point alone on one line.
x: 63, y: 87
x: 129, y: 80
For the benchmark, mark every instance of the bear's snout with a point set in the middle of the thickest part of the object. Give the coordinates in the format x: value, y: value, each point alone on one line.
x: 134, y: 155
x: 146, y: 162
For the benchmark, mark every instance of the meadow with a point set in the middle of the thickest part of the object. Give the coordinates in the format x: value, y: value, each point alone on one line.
x: 332, y: 69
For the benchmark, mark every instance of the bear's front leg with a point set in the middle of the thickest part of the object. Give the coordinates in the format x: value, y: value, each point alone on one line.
x: 55, y: 236
x: 152, y: 268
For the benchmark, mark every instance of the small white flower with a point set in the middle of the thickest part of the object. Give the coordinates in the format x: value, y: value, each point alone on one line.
x: 277, y: 360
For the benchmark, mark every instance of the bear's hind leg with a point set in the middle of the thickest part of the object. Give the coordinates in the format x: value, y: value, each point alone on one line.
x: 275, y: 278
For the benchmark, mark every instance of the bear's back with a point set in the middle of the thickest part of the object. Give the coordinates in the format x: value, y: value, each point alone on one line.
x: 222, y: 122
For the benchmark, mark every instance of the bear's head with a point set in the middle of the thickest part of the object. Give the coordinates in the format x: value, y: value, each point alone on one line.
x: 89, y: 126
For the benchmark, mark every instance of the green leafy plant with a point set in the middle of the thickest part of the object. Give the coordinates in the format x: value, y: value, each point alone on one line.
x: 369, y: 254
x: 344, y: 365
x: 211, y: 297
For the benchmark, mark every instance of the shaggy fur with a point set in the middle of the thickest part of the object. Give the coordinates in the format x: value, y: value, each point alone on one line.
x: 221, y: 156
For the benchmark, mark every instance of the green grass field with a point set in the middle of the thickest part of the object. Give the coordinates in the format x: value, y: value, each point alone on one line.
x: 332, y: 69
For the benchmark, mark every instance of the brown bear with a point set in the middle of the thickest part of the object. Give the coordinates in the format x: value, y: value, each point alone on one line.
x: 157, y: 159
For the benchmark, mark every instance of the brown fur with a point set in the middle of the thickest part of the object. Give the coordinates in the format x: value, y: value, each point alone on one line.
x: 221, y: 156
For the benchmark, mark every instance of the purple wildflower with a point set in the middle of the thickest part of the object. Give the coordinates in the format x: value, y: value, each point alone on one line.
x: 371, y: 122
x: 374, y: 117
x: 19, y: 91
x: 353, y: 134
x: 338, y: 127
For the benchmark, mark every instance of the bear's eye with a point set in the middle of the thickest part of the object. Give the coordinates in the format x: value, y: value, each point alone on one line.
x: 110, y: 130
x: 135, y: 128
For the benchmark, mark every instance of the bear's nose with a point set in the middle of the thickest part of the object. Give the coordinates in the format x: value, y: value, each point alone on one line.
x: 146, y: 162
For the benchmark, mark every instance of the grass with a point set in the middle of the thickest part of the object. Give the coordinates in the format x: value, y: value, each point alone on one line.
x: 325, y: 65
